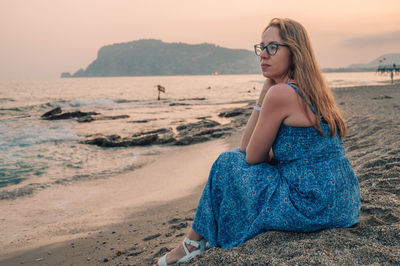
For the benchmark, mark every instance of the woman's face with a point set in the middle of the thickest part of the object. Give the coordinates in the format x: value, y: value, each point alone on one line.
x: 276, y: 66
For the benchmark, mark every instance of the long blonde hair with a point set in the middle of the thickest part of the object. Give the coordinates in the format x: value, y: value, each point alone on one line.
x: 305, y: 71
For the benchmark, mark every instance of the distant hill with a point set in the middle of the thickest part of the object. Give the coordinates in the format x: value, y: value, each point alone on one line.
x: 150, y: 57
x: 386, y: 59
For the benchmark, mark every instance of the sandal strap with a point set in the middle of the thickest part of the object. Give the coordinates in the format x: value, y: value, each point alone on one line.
x: 191, y: 242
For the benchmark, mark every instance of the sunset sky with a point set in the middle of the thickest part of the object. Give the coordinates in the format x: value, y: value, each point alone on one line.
x: 42, y: 38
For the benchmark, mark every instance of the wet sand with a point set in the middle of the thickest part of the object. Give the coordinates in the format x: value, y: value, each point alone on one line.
x: 109, y: 222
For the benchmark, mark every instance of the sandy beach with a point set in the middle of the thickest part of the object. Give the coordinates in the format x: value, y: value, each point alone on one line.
x: 132, y: 218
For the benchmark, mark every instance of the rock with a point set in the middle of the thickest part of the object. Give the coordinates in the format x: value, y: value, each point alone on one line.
x: 187, y: 140
x: 151, y: 237
x: 106, y: 141
x: 211, y: 131
x: 53, y: 112
x: 166, y: 139
x: 201, y: 124
x: 69, y: 115
x: 89, y: 118
x: 115, y: 141
x: 66, y: 75
x: 179, y: 226
x: 85, y: 119
x: 234, y: 112
x: 112, y: 117
x: 193, y: 99
x: 203, y: 117
x: 174, y: 104
x: 156, y: 131
x: 140, y: 121
x: 142, y: 141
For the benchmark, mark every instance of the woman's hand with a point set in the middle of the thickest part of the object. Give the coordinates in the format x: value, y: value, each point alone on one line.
x: 267, y: 84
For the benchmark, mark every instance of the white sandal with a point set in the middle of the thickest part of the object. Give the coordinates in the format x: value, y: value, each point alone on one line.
x: 189, y: 255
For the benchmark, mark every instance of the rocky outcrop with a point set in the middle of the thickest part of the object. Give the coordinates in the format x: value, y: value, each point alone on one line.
x: 69, y: 115
x: 185, y: 134
x: 82, y: 117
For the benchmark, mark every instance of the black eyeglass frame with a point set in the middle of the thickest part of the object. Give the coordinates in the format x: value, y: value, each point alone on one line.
x: 265, y: 47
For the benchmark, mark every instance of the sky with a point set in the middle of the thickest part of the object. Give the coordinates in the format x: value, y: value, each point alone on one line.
x: 41, y: 38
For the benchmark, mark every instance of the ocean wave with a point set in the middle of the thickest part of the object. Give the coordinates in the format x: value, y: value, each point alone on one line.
x: 7, y: 100
x: 126, y: 101
x: 32, y: 187
x: 16, y: 109
x: 101, y: 101
x: 26, y: 133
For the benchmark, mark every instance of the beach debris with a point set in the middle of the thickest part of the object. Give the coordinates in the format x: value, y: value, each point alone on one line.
x: 160, y: 89
x: 39, y: 259
x: 105, y: 260
x: 209, y: 88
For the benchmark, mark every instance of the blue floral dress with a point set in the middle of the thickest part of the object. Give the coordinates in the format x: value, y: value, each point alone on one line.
x: 311, y: 187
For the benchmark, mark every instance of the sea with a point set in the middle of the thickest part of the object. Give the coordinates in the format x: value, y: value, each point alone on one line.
x: 36, y: 154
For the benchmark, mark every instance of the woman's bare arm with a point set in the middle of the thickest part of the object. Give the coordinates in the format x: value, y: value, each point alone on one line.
x: 276, y: 108
x: 251, y: 123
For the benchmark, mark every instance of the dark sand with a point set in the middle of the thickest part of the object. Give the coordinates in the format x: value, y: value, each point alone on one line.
x: 373, y: 147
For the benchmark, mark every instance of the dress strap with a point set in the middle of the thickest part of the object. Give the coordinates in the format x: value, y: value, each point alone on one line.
x: 299, y: 93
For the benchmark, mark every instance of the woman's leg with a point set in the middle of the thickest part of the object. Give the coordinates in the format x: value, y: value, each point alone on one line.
x: 178, y: 252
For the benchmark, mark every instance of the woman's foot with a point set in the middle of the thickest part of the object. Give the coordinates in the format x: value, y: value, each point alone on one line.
x: 177, y: 253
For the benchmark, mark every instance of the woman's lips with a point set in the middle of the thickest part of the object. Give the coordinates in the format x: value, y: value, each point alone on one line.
x: 265, y: 66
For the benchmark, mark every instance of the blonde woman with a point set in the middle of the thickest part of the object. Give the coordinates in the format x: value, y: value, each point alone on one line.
x: 291, y: 172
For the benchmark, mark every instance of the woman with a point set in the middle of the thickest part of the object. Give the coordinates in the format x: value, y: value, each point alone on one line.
x: 291, y: 172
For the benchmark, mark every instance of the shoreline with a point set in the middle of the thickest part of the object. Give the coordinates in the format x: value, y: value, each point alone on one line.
x: 143, y: 231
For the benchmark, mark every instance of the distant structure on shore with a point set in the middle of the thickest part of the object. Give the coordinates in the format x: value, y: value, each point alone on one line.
x: 392, y: 70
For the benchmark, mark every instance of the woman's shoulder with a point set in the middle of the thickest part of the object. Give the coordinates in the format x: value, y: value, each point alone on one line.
x: 281, y: 92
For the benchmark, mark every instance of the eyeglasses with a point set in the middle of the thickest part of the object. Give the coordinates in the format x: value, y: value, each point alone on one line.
x: 272, y: 48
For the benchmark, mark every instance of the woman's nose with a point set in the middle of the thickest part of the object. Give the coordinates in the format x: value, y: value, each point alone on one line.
x: 264, y: 53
